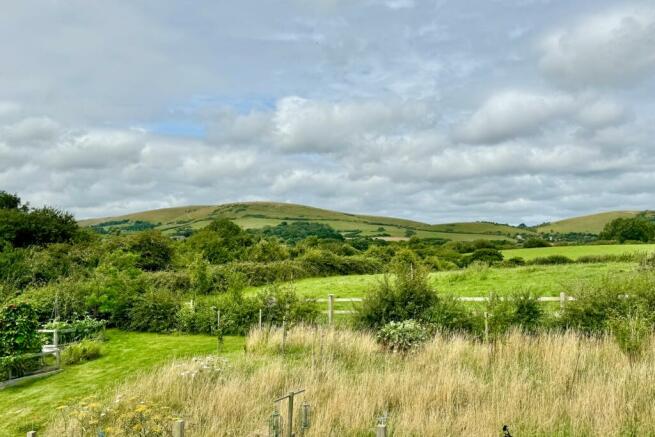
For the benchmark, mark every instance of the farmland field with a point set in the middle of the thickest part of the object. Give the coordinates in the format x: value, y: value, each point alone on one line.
x: 540, y: 280
x: 126, y: 354
x: 575, y: 252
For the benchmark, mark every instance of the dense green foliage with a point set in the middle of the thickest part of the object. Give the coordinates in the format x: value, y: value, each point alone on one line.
x: 296, y: 231
x: 629, y: 229
x: 402, y: 336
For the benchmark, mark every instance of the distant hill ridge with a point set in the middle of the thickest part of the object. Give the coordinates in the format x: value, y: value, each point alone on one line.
x: 255, y: 215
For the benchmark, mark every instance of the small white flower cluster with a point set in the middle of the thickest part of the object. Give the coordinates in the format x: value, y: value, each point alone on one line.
x: 210, y: 365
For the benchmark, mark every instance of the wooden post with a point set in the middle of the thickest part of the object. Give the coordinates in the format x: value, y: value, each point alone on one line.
x: 562, y: 300
x: 260, y: 318
x: 330, y: 308
x: 284, y: 333
x: 178, y: 428
x: 55, y: 339
x: 290, y: 415
x: 31, y: 434
x: 486, y: 326
x: 381, y: 430
x: 58, y: 358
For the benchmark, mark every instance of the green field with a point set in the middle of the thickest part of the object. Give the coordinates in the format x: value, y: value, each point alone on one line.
x: 539, y: 280
x: 575, y: 252
x: 255, y: 215
x: 28, y: 406
x: 592, y: 223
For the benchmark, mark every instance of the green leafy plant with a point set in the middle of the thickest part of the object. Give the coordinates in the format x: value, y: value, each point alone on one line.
x: 85, y: 350
x: 632, y: 333
x: 402, y: 336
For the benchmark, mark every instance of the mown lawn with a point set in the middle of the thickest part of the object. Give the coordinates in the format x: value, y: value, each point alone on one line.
x: 575, y: 252
x: 126, y: 355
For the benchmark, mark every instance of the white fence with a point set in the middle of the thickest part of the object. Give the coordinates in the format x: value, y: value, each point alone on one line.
x: 332, y: 299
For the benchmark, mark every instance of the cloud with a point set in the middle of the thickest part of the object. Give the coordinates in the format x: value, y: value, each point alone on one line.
x: 437, y: 111
x: 512, y: 114
x: 302, y: 125
x: 612, y: 49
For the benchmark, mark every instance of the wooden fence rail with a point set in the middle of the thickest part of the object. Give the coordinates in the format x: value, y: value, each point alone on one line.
x: 332, y: 299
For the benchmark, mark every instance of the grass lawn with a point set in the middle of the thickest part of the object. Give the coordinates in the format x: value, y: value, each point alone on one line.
x: 574, y: 252
x: 126, y: 354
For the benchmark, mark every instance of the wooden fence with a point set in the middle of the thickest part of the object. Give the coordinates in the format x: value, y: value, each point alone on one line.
x: 332, y: 299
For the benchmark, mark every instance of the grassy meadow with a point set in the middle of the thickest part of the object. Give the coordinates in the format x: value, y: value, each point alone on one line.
x: 542, y: 280
x: 575, y: 252
x: 125, y: 355
x: 551, y: 384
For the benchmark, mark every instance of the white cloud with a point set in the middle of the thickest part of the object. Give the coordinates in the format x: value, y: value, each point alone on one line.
x: 513, y: 113
x: 612, y: 49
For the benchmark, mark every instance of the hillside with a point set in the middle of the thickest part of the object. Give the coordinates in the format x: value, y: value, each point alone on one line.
x: 255, y: 215
x: 592, y: 223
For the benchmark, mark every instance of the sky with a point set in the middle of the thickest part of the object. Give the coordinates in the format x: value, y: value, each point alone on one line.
x: 504, y: 110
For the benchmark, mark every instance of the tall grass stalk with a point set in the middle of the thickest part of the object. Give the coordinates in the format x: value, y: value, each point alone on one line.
x: 549, y: 384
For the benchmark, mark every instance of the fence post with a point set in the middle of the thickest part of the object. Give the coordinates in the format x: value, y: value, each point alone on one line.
x: 330, y: 308
x: 486, y: 327
x: 381, y: 430
x: 260, y: 318
x: 290, y: 414
x: 178, y: 428
x: 562, y: 300
x: 284, y: 333
x: 55, y: 339
x: 58, y: 358
x: 31, y: 434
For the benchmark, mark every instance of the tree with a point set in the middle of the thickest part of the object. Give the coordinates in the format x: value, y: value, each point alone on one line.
x: 38, y: 227
x: 221, y: 241
x: 154, y: 250
x: 9, y: 201
x: 632, y: 228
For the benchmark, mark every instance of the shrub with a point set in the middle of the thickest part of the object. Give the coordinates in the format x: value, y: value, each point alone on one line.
x: 488, y: 256
x: 535, y: 242
x: 154, y: 311
x: 85, y: 350
x: 632, y: 334
x: 449, y: 314
x: 519, y: 309
x: 515, y: 261
x: 407, y: 296
x: 402, y: 336
x: 596, y: 303
x: 18, y: 330
x: 551, y: 259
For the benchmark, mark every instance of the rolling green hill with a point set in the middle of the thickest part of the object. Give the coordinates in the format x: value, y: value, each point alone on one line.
x: 592, y: 224
x: 255, y: 215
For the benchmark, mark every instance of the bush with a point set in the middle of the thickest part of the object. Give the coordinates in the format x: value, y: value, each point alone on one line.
x: 407, y: 296
x: 519, y: 309
x: 154, y: 311
x: 18, y: 330
x: 85, y: 350
x: 488, y: 256
x: 596, y: 303
x: 632, y: 334
x: 551, y: 260
x: 515, y: 261
x: 402, y: 336
x: 535, y: 242
x: 449, y: 314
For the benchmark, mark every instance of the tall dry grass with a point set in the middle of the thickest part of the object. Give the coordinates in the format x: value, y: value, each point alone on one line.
x: 551, y: 384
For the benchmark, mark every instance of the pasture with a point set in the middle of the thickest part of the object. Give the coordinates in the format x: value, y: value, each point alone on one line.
x: 544, y: 280
x: 575, y: 252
